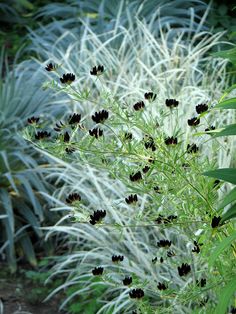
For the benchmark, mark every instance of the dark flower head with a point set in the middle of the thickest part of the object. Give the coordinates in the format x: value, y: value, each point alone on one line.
x: 150, y: 144
x: 96, y: 132
x: 133, y: 198
x: 171, y: 140
x: 97, y: 216
x: 171, y: 103
x: 50, y: 67
x: 97, y: 70
x: 233, y: 310
x: 194, y: 121
x: 66, y: 137
x: 215, y: 221
x: 150, y: 96
x: 146, y: 169
x: 101, y: 116
x: 128, y: 136
x: 192, y: 148
x: 201, y: 283
x: 70, y: 150
x: 138, y: 106
x: 135, y: 176
x: 97, y: 271
x: 211, y: 128
x: 196, y: 248
x: 127, y: 281
x: 164, y: 243
x: 184, y: 269
x: 117, y: 258
x: 201, y: 108
x: 67, y: 78
x: 75, y: 118
x: 162, y: 286
x: 73, y: 197
x: 161, y: 260
x: 59, y: 126
x: 42, y: 134
x: 170, y: 253
x: 154, y: 260
x: 33, y: 120
x: 157, y: 189
x: 136, y: 293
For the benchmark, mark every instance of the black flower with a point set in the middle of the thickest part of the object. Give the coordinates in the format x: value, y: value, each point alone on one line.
x: 171, y: 140
x: 171, y: 103
x: 154, y: 260
x: 192, y: 148
x: 196, y: 248
x: 194, y: 121
x: 73, y: 197
x: 233, y: 310
x: 170, y: 253
x: 50, y: 67
x: 70, y: 150
x: 117, y: 258
x: 184, y: 269
x: 161, y: 260
x: 215, y: 221
x: 75, y: 118
x: 157, y: 189
x: 164, y: 243
x: 67, y: 78
x: 133, y: 198
x: 127, y: 281
x: 201, y: 108
x: 33, y: 120
x: 139, y: 105
x: 150, y: 96
x: 41, y: 135
x: 162, y: 286
x: 101, y: 116
x: 97, y: 271
x: 96, y: 132
x: 149, y: 144
x: 136, y: 293
x: 135, y: 176
x: 59, y: 126
x: 128, y: 136
x: 97, y: 70
x: 211, y: 128
x: 66, y: 137
x: 201, y: 283
x: 145, y: 169
x: 97, y: 216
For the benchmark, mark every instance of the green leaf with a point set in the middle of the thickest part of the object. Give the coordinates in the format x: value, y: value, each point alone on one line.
x: 225, y: 174
x: 227, y: 104
x: 231, y: 213
x: 229, y: 198
x: 221, y: 247
x: 227, y: 131
x: 225, y: 296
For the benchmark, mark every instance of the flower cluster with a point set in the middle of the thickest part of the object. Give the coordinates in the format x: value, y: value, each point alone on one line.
x: 40, y: 135
x: 96, y: 132
x: 97, y: 70
x: 97, y: 271
x: 138, y: 106
x: 133, y: 198
x: 184, y: 269
x: 172, y: 103
x: 73, y: 197
x: 67, y: 78
x: 136, y: 293
x: 97, y: 216
x: 117, y: 258
x: 164, y: 243
x: 101, y: 116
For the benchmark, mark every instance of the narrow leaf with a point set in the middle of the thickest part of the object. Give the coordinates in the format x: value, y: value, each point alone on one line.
x: 231, y: 213
x: 227, y: 104
x: 225, y: 296
x: 229, y: 198
x: 225, y: 174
